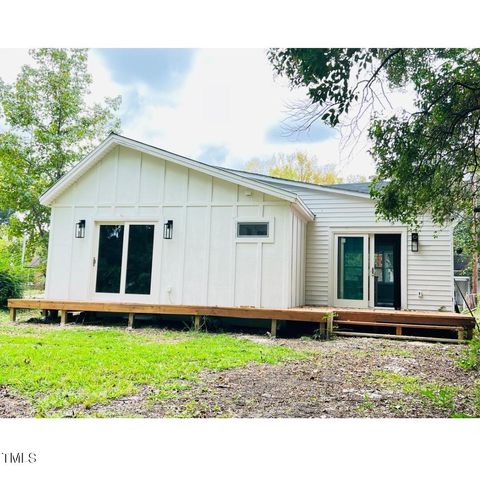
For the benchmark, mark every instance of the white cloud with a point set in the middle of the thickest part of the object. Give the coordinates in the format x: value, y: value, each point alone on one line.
x: 229, y: 99
x: 11, y: 61
x: 103, y: 85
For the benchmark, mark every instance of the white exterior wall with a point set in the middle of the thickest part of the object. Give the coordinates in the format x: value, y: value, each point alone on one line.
x: 429, y: 271
x: 204, y: 263
x: 299, y: 239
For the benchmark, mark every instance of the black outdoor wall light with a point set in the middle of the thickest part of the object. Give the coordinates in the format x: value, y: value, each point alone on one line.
x: 168, y: 230
x: 80, y: 229
x: 414, y: 242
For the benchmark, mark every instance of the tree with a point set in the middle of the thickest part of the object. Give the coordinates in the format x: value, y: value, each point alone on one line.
x: 5, y: 216
x: 426, y: 158
x: 297, y: 166
x: 50, y: 126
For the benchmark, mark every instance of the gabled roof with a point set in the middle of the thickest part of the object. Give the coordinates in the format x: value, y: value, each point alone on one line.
x: 354, y: 189
x: 114, y: 140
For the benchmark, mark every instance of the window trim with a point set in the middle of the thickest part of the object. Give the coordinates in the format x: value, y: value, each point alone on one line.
x: 240, y: 224
x: 254, y: 239
x: 126, y: 222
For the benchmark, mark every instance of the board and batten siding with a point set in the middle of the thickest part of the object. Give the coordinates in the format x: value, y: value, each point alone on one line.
x: 299, y: 240
x: 429, y: 276
x: 204, y: 263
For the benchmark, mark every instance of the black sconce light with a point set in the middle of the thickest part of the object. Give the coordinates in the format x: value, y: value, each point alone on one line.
x: 414, y: 242
x: 80, y: 229
x: 168, y: 230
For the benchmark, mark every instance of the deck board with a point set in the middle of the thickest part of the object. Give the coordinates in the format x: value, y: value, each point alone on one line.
x: 294, y: 314
x: 301, y: 314
x: 405, y: 317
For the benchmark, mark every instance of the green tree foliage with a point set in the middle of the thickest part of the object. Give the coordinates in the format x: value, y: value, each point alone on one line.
x: 13, y: 276
x: 297, y: 166
x: 5, y: 216
x: 50, y: 126
x: 11, y: 286
x: 466, y: 243
x: 427, y: 158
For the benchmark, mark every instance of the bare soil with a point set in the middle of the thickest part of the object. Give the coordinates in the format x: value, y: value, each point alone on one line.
x: 345, y: 377
x: 342, y: 378
x: 13, y: 406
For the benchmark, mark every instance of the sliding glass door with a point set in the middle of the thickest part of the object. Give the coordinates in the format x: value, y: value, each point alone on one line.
x: 109, y: 259
x: 124, y: 259
x: 351, y: 270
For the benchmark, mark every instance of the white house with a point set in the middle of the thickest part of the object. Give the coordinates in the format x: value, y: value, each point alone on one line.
x: 134, y: 223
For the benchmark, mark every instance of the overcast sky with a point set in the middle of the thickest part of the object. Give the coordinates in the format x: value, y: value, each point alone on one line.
x: 219, y: 106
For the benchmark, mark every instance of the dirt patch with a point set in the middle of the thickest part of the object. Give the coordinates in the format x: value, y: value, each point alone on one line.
x: 359, y: 377
x: 14, y: 406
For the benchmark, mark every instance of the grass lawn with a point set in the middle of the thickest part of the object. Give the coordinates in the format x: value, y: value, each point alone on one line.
x: 58, y: 368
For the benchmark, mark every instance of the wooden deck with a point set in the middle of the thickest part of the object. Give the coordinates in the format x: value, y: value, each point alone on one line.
x: 346, y: 319
x: 404, y: 322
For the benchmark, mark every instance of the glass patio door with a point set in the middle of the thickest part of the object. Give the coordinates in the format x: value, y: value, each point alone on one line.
x: 124, y: 259
x: 351, y: 271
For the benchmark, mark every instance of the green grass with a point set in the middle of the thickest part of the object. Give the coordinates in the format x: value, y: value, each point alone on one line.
x: 392, y: 380
x: 470, y: 360
x: 61, y: 368
x: 366, y: 404
x: 440, y: 395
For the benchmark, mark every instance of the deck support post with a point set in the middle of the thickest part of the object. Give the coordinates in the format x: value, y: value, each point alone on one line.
x: 398, y: 330
x: 273, y: 328
x: 196, y: 323
x: 461, y: 334
x: 329, y: 325
x: 63, y: 317
x: 131, y: 319
x: 13, y: 314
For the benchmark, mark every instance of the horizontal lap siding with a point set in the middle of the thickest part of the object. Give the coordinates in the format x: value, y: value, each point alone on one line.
x: 429, y: 271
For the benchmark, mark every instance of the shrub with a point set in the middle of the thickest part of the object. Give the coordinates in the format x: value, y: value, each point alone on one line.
x: 11, y: 286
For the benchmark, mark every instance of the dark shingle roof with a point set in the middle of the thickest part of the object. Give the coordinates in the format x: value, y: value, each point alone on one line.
x: 363, y: 187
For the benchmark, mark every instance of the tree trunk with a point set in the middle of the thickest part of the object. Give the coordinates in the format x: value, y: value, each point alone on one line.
x: 475, y: 276
x: 475, y: 252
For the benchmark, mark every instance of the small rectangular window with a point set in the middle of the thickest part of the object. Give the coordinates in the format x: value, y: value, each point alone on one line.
x: 252, y: 229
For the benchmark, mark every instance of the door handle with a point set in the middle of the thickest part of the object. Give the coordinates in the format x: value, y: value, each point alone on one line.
x: 94, y: 261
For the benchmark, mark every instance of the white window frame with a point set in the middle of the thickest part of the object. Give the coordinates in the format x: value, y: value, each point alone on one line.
x: 122, y: 295
x: 270, y: 238
x: 345, y: 231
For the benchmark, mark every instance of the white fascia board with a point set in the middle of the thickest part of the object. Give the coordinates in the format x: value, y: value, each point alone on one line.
x: 90, y: 160
x: 300, y: 207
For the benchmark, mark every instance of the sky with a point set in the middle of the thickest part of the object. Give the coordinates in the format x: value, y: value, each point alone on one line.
x: 220, y: 106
